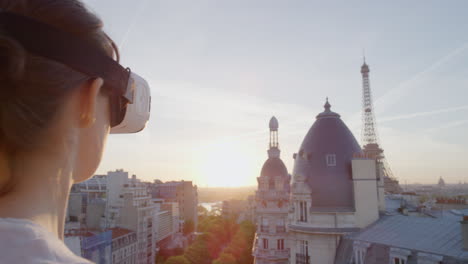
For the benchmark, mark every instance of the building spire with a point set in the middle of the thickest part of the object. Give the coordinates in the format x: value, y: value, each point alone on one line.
x: 363, y: 56
x: 327, y: 106
x: 273, y: 150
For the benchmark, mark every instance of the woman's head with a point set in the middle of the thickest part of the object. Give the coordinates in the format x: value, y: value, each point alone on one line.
x: 45, y: 106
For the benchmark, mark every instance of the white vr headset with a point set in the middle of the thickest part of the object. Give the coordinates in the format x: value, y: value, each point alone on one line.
x: 130, y: 98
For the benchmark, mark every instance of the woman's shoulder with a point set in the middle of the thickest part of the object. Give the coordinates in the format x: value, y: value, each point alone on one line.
x: 23, y: 241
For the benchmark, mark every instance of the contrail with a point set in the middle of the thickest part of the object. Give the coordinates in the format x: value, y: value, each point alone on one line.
x: 138, y: 11
x: 447, y: 125
x: 405, y: 86
x: 427, y: 113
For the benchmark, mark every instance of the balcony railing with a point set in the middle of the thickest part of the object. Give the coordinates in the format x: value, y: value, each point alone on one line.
x: 302, y: 259
x: 272, y: 195
x: 272, y: 253
x: 280, y: 229
x: 264, y: 228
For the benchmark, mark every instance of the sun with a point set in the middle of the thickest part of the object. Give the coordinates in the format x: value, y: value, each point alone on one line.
x: 227, y: 163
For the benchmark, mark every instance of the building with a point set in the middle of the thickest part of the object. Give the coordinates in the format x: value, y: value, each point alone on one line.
x: 115, y: 181
x: 441, y: 183
x: 137, y: 212
x: 87, y: 202
x: 272, y: 206
x: 335, y: 190
x: 117, y: 202
x: 168, y: 220
x: 95, y: 187
x: 402, y: 239
x: 251, y: 208
x: 90, y: 212
x: 95, y: 246
x: 124, y: 246
x: 182, y: 192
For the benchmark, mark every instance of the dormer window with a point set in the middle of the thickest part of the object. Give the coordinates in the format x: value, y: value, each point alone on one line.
x: 302, y: 211
x: 331, y: 160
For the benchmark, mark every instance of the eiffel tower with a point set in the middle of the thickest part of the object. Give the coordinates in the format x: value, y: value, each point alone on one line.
x: 370, y: 138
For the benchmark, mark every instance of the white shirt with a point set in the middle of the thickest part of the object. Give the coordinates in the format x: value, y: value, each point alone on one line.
x: 23, y: 241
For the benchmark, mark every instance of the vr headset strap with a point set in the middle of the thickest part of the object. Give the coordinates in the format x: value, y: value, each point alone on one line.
x: 47, y: 41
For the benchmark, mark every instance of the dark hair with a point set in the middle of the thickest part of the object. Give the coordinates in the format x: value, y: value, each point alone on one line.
x: 33, y: 88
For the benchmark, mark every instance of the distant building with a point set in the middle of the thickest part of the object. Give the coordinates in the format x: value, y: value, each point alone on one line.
x: 233, y: 208
x: 90, y: 212
x: 95, y: 187
x: 272, y: 206
x: 124, y: 246
x: 93, y: 246
x: 182, y: 192
x: 137, y: 212
x: 87, y: 202
x: 168, y: 220
x: 250, y: 213
x: 115, y: 183
x: 441, y: 183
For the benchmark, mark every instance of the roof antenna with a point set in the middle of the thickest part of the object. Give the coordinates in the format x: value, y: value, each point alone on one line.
x: 364, y: 55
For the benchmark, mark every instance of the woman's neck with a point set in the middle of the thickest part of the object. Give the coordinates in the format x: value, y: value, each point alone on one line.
x: 40, y: 192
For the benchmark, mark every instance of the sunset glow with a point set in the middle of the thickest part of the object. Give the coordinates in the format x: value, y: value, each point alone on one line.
x: 226, y: 163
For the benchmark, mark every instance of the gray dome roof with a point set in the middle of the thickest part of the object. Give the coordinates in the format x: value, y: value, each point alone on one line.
x: 331, y: 186
x: 274, y: 167
x: 273, y: 124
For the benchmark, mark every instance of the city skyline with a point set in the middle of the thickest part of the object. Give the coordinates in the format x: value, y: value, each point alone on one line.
x: 219, y: 71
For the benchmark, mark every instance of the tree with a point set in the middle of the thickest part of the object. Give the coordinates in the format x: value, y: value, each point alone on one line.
x: 177, y: 260
x: 241, y: 244
x: 197, y: 253
x: 189, y: 227
x: 202, y: 210
x: 225, y: 258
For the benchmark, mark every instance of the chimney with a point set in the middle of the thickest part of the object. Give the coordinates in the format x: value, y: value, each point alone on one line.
x: 464, y: 231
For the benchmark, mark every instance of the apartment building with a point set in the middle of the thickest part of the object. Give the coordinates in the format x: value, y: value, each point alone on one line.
x: 137, y: 213
x: 124, y: 246
x: 182, y: 192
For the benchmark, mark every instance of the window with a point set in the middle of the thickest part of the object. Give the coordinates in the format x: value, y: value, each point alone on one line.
x: 265, y: 243
x: 265, y: 225
x: 304, y: 247
x: 399, y: 255
x: 331, y: 160
x: 302, y: 256
x: 280, y: 227
x: 271, y: 184
x: 280, y: 244
x: 302, y: 211
x: 426, y: 258
x: 360, y: 250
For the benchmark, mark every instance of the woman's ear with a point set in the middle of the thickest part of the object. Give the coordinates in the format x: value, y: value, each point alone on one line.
x: 89, y: 96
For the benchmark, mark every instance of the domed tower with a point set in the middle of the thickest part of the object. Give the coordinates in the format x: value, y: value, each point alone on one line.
x: 272, y: 206
x: 334, y: 190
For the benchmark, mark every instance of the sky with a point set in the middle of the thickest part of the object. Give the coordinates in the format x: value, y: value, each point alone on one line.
x: 219, y: 70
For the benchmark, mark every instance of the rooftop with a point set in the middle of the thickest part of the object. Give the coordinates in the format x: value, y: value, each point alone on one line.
x: 440, y: 236
x: 324, y: 160
x: 119, y: 231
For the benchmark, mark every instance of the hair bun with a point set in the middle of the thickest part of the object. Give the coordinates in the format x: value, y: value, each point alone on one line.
x: 12, y: 63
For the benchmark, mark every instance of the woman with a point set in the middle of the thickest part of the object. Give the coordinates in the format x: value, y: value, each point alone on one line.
x: 53, y: 127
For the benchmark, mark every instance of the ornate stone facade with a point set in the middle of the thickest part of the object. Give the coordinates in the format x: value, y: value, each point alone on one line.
x: 272, y: 206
